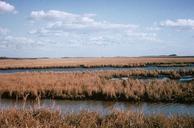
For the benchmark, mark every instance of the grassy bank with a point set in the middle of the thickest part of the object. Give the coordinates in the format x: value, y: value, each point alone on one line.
x: 48, y: 119
x: 96, y: 86
x: 172, y: 74
x: 93, y: 62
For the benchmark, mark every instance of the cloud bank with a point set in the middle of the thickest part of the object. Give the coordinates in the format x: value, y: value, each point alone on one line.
x: 84, y: 30
x: 61, y: 19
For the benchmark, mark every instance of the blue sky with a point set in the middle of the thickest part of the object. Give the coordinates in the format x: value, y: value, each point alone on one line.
x: 48, y: 28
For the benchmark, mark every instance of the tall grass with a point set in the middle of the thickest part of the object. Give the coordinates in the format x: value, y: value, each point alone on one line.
x: 43, y: 118
x: 95, y: 85
x: 93, y: 62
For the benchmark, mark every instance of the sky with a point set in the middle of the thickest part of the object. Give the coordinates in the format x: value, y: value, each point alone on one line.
x: 96, y: 28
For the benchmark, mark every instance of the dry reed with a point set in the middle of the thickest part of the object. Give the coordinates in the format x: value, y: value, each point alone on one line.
x: 93, y: 62
x: 97, y: 86
x: 43, y: 118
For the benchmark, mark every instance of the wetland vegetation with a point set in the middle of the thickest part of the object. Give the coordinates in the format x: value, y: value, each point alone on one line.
x: 155, y: 88
x: 43, y: 118
x: 98, y: 86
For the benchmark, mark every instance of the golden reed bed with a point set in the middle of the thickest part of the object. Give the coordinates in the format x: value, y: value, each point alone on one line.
x: 97, y: 86
x: 48, y: 119
x: 93, y: 62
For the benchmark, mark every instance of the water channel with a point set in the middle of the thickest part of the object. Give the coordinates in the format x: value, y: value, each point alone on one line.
x: 103, y: 107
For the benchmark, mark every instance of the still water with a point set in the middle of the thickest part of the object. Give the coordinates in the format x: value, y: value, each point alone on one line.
x: 190, y: 67
x: 103, y: 107
x: 183, y: 79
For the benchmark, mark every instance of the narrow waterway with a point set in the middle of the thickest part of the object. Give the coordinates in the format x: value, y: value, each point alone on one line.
x: 182, y: 79
x: 81, y: 69
x: 103, y: 107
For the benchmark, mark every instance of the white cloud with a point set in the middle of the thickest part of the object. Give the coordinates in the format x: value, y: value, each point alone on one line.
x: 68, y: 29
x: 53, y: 15
x: 58, y: 29
x: 145, y: 36
x: 153, y: 28
x: 61, y: 19
x: 95, y: 26
x: 6, y: 7
x: 16, y: 42
x: 3, y: 31
x: 179, y: 24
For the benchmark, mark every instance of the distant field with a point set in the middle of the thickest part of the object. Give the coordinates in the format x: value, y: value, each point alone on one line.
x: 94, y: 62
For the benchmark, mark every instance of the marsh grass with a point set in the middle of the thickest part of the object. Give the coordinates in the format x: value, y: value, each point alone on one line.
x: 172, y: 74
x: 94, y: 62
x: 96, y: 86
x: 44, y: 118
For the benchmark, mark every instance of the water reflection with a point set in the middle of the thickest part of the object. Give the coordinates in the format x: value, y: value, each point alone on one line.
x: 66, y: 106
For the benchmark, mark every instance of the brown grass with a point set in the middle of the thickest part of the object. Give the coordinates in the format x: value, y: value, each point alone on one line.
x: 93, y: 62
x: 97, y: 86
x: 49, y: 119
x: 172, y: 74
